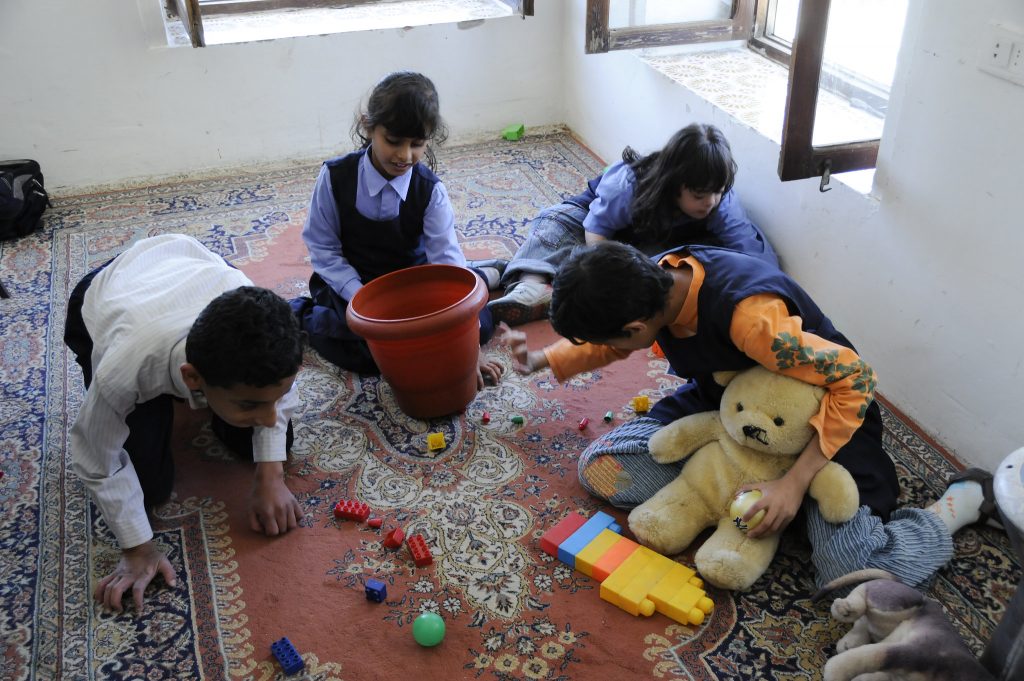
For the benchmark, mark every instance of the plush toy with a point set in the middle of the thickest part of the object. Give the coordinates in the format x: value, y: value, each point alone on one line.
x: 756, y: 436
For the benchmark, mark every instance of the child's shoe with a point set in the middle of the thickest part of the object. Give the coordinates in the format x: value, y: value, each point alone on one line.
x: 491, y: 270
x: 523, y: 302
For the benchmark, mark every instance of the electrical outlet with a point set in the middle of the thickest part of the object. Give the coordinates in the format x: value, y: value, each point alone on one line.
x: 1002, y: 53
x: 1016, y: 61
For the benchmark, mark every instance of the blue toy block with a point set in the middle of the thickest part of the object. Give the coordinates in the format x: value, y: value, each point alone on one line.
x: 575, y: 542
x: 286, y: 654
x: 376, y: 590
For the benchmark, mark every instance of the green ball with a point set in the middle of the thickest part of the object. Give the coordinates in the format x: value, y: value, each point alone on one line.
x: 428, y: 629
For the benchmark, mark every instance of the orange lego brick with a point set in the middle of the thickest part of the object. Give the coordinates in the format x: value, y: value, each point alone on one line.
x: 613, y: 558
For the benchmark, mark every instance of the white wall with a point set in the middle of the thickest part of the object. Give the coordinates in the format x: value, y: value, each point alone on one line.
x: 94, y: 94
x: 926, y: 278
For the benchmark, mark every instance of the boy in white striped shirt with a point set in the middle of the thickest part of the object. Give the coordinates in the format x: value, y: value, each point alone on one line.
x: 168, y: 319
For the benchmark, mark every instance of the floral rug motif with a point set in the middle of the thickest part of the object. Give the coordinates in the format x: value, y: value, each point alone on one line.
x: 482, y: 503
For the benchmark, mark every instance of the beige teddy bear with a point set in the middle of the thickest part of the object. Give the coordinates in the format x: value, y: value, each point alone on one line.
x: 761, y: 428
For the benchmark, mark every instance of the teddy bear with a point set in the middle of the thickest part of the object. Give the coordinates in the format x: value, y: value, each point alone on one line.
x: 762, y: 426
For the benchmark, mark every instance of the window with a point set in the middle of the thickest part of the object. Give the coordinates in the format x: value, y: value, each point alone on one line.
x: 845, y: 46
x: 205, y: 22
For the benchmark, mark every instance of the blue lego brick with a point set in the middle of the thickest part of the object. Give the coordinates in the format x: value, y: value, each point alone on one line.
x: 575, y: 542
x: 286, y: 654
x: 376, y: 590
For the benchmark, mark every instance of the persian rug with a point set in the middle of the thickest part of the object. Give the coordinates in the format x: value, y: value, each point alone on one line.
x: 511, y: 611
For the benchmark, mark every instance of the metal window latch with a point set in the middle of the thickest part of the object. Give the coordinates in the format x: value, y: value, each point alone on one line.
x: 825, y: 177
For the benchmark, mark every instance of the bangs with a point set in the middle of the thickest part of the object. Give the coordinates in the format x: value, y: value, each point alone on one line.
x: 710, y: 170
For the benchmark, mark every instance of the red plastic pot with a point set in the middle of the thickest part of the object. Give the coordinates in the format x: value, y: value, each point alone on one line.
x: 422, y: 326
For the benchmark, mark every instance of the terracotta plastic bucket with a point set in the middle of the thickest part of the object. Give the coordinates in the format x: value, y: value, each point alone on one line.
x: 423, y: 330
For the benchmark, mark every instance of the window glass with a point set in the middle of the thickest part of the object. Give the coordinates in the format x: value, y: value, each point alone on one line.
x: 627, y: 13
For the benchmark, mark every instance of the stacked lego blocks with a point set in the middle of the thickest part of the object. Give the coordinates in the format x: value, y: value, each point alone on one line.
x: 632, y: 577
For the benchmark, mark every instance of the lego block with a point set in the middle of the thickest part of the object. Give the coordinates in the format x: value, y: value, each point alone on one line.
x: 584, y: 422
x: 575, y: 542
x: 593, y: 551
x: 420, y: 551
x: 518, y: 420
x: 628, y: 587
x: 485, y: 417
x: 608, y: 416
x: 375, y: 522
x: 677, y: 597
x: 641, y: 404
x: 613, y: 558
x: 435, y: 442
x: 351, y: 510
x: 376, y: 590
x: 394, y: 538
x: 560, y: 532
x: 287, y: 656
x: 514, y: 132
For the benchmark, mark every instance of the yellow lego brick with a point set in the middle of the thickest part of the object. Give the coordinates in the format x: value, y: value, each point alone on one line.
x: 629, y: 586
x: 592, y: 552
x: 675, y: 596
x: 436, y: 441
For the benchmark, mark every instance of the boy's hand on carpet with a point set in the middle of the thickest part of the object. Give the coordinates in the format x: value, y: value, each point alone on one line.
x: 488, y: 372
x: 273, y: 508
x: 135, y: 570
x: 526, y: 361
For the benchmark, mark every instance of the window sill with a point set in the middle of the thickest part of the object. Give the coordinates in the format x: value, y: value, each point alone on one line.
x: 272, y: 25
x: 753, y: 90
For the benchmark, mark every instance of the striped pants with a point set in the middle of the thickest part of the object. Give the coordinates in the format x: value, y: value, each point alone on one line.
x: 913, y: 544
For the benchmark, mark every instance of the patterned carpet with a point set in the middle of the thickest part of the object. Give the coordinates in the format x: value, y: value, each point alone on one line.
x: 511, y: 611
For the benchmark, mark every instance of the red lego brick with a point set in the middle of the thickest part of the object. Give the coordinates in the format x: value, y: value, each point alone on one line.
x: 420, y: 551
x: 351, y: 510
x: 375, y: 522
x: 560, y: 532
x: 584, y: 422
x: 394, y: 538
x: 486, y: 417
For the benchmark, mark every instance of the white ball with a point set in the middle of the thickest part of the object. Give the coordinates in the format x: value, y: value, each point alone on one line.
x: 740, y: 503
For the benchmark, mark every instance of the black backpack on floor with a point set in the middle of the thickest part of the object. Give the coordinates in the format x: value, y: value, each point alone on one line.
x: 22, y: 198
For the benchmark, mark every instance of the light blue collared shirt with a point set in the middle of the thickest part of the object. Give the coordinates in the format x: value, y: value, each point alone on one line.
x: 377, y: 198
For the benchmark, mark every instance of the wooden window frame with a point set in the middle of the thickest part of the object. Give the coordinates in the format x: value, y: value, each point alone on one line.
x: 191, y: 12
x: 799, y: 158
x: 601, y: 38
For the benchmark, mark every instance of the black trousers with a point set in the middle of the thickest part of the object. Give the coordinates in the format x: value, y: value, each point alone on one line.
x: 151, y: 423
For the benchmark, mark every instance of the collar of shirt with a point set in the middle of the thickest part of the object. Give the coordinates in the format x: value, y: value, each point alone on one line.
x: 375, y: 182
x: 196, y: 399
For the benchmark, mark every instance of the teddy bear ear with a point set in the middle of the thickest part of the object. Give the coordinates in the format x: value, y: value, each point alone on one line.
x: 723, y: 378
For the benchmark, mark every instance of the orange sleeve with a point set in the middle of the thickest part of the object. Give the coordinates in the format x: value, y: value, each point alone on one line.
x: 765, y: 331
x: 566, y: 359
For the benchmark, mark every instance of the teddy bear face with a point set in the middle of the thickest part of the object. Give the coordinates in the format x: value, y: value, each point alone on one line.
x: 769, y: 412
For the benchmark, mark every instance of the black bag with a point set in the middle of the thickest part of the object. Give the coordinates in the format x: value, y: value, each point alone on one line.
x: 22, y: 198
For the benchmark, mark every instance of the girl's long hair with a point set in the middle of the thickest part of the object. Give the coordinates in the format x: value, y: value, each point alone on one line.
x: 697, y: 157
x: 406, y: 104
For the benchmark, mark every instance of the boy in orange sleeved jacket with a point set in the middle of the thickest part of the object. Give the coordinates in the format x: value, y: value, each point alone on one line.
x: 712, y: 309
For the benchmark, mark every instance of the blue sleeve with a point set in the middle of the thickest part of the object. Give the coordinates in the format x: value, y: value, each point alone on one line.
x: 734, y: 230
x: 612, y: 210
x: 439, y: 239
x: 322, y: 235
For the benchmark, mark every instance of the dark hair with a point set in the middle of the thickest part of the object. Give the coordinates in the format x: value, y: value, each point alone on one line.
x: 697, y: 157
x: 245, y: 336
x: 406, y: 104
x: 602, y: 287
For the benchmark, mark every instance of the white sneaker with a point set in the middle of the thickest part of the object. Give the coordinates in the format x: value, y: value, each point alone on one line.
x: 524, y: 301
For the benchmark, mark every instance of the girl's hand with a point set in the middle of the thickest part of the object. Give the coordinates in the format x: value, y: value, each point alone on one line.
x: 526, y: 361
x: 488, y: 372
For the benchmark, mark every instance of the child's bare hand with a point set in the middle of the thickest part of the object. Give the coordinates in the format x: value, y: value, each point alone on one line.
x: 526, y: 361
x: 488, y: 372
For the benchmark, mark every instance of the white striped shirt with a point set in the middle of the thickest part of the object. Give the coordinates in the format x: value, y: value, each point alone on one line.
x: 138, y: 311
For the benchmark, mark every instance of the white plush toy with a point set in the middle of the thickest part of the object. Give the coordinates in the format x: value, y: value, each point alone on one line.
x: 756, y: 436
